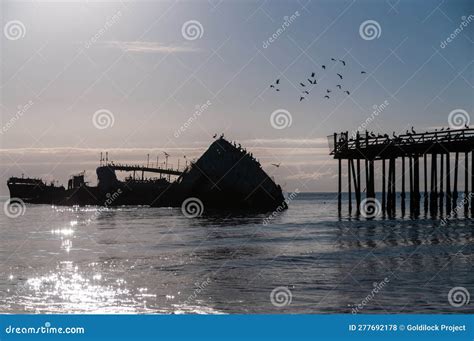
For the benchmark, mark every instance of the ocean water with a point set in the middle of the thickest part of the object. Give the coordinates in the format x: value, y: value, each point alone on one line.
x: 304, y: 260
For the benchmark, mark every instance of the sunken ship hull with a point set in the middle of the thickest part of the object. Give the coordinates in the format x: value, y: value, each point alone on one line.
x: 224, y: 177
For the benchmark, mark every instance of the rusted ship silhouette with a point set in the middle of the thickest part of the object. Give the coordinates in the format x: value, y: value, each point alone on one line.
x: 226, y: 176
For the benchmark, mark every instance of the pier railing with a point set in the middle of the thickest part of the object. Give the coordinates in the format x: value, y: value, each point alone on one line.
x: 342, y: 143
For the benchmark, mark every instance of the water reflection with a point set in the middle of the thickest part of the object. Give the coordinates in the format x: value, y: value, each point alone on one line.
x: 68, y: 289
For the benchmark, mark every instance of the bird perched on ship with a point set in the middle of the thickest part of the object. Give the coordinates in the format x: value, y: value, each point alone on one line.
x: 276, y: 164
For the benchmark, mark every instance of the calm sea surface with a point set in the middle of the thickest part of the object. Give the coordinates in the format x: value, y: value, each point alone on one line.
x: 155, y: 260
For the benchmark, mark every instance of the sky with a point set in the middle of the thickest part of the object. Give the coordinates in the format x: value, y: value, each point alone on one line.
x: 144, y: 77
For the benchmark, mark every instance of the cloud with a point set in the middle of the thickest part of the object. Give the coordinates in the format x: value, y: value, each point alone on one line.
x: 148, y: 47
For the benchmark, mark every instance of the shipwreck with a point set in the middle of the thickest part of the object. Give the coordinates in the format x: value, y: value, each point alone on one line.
x: 226, y: 176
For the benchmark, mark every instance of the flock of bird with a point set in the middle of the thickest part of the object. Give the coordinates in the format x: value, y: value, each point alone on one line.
x: 312, y: 81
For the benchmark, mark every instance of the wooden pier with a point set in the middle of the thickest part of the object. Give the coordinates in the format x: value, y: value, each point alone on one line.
x: 438, y: 152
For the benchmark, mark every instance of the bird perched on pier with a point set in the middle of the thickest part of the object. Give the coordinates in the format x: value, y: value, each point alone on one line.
x: 466, y: 126
x: 276, y: 164
x: 372, y: 134
x: 413, y: 130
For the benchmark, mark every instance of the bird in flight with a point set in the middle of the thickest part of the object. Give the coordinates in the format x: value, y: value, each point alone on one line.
x: 340, y: 76
x: 277, y: 82
x: 324, y: 67
x: 306, y: 92
x: 362, y: 72
x: 312, y: 74
x: 214, y: 136
x: 343, y: 62
x: 347, y: 92
x: 302, y: 84
x: 301, y: 98
x: 339, y: 86
x: 333, y: 59
x: 276, y: 164
x: 328, y: 91
x: 326, y: 96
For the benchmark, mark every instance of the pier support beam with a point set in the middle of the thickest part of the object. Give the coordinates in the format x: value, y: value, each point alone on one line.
x: 448, y: 184
x: 416, y: 184
x: 358, y: 187
x: 441, y: 184
x: 412, y: 203
x: 466, y: 184
x: 339, y: 186
x: 455, y: 185
x: 383, y: 187
x: 425, y: 179
x: 349, y: 185
x: 403, y: 194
